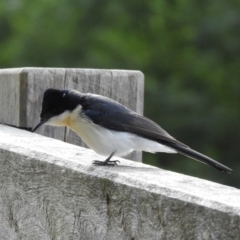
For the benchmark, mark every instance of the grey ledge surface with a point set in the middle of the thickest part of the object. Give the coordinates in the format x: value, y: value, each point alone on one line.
x: 50, y: 190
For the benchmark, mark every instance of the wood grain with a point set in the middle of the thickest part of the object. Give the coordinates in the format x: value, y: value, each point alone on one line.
x: 9, y: 96
x: 50, y: 190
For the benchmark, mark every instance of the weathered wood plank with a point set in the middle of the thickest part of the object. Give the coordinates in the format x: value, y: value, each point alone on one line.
x: 22, y: 89
x: 50, y: 190
x: 9, y: 96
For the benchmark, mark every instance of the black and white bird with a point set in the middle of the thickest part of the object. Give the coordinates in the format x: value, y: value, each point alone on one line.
x: 109, y: 128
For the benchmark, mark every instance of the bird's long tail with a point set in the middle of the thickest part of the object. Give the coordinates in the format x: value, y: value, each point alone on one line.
x: 184, y: 150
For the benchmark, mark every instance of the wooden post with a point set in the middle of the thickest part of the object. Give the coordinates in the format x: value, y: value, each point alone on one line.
x: 21, y: 92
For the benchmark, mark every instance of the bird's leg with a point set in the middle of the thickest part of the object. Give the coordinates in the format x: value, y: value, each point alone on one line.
x: 107, y: 162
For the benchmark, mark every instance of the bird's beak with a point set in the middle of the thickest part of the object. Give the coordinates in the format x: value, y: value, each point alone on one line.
x: 39, y: 124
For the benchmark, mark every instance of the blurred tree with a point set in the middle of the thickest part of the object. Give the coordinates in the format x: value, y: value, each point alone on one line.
x: 188, y: 50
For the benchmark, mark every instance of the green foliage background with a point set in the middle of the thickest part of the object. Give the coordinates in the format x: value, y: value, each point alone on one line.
x: 188, y: 50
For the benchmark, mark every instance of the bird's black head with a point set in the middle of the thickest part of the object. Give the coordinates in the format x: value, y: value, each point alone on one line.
x: 56, y: 102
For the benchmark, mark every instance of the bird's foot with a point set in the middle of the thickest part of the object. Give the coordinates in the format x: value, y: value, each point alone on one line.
x: 106, y: 163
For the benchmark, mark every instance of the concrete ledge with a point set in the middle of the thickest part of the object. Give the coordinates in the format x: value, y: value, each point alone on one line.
x: 50, y: 190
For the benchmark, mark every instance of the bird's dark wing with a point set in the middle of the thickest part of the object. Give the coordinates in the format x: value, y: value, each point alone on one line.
x: 114, y: 116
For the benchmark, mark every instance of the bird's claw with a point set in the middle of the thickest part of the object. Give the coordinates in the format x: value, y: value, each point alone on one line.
x: 106, y: 163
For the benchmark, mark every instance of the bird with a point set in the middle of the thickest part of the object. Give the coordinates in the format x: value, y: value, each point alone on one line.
x: 111, y: 129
